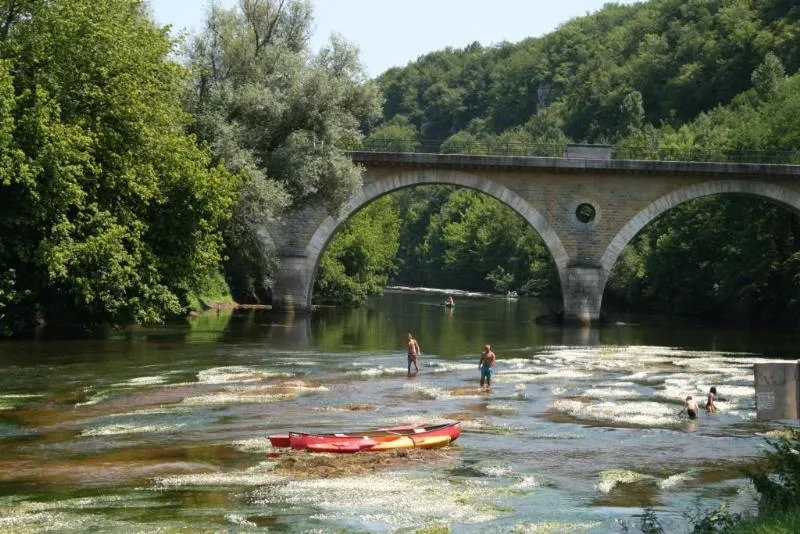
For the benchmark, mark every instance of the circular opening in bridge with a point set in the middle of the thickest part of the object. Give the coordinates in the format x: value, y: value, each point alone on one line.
x: 585, y: 213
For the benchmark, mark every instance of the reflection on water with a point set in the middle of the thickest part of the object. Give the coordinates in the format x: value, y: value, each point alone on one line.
x: 579, y: 431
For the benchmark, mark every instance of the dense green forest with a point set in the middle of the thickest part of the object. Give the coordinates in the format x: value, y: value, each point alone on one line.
x: 664, y: 74
x: 110, y: 212
x: 129, y: 180
x: 134, y: 167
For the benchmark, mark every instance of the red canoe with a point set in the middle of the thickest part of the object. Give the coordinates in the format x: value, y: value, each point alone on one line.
x: 283, y: 440
x: 381, y: 443
x: 302, y: 440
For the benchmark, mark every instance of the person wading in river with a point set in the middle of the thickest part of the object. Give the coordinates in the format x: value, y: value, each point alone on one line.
x: 690, y: 407
x: 413, y: 352
x: 711, y: 405
x: 485, y: 365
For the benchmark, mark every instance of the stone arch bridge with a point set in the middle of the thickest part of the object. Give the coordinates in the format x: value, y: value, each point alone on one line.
x: 586, y: 209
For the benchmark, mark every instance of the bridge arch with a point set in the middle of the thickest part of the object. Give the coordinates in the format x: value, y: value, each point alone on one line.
x: 771, y: 192
x: 410, y: 178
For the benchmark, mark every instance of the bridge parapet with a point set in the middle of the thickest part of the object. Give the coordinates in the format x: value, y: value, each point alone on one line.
x: 579, y: 151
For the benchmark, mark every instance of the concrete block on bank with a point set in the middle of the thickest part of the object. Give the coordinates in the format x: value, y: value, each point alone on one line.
x: 777, y: 390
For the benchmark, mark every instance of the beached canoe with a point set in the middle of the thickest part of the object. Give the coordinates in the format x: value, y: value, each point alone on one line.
x: 383, y: 443
x: 301, y: 440
x: 284, y: 440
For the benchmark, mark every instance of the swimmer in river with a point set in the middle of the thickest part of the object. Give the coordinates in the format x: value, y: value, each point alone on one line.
x: 711, y: 405
x: 690, y: 407
x: 413, y: 352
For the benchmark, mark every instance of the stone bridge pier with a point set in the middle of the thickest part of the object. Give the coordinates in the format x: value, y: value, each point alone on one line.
x: 586, y: 210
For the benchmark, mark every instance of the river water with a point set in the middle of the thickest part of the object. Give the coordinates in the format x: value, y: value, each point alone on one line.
x: 165, y: 429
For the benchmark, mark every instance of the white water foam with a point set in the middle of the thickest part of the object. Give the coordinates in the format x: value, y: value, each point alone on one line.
x: 445, y: 367
x: 96, y: 398
x: 675, y: 480
x: 239, y: 520
x: 380, y: 371
x: 144, y: 381
x: 117, y: 430
x: 391, y: 500
x: 644, y: 413
x: 612, y: 393
x: 257, y: 475
x: 59, y: 516
x: 552, y: 527
x: 433, y: 393
x: 612, y: 478
x: 254, y: 395
x: 237, y: 373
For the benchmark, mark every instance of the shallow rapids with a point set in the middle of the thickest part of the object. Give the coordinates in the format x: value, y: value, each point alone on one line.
x: 158, y: 432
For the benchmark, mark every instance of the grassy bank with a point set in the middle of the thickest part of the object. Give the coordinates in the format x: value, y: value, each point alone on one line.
x: 771, y: 522
x: 777, y: 482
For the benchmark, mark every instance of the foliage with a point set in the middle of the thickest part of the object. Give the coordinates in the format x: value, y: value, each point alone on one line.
x: 396, y: 135
x: 771, y: 522
x: 416, y: 207
x: 111, y: 213
x: 778, y: 485
x: 782, y: 490
x: 471, y: 241
x: 736, y: 257
x: 360, y: 258
x: 278, y: 116
x: 211, y: 291
x: 649, y: 522
x: 662, y: 60
x: 719, y: 521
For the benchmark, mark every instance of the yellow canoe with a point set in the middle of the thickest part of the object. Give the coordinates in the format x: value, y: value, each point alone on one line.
x: 410, y: 442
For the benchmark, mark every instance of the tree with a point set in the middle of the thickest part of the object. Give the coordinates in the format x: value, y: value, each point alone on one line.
x: 768, y: 76
x: 396, y: 135
x: 360, y: 258
x: 277, y: 115
x: 475, y: 242
x: 111, y: 213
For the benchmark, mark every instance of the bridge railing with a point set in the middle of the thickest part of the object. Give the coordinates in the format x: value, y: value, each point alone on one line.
x: 707, y: 155
x: 583, y: 151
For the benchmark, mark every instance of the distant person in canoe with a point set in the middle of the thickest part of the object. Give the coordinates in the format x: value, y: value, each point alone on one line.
x: 413, y: 352
x: 449, y: 302
x: 690, y: 407
x: 485, y: 365
x: 711, y: 405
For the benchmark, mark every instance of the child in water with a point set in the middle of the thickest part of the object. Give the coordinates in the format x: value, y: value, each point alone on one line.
x: 690, y: 407
x: 711, y: 405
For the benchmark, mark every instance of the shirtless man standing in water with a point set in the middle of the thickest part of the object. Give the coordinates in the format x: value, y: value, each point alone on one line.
x: 485, y: 365
x: 413, y: 352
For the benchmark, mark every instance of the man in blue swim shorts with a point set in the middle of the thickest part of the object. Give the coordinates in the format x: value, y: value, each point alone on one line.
x: 485, y: 365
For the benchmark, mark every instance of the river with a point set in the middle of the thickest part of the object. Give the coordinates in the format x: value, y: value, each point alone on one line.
x: 165, y: 429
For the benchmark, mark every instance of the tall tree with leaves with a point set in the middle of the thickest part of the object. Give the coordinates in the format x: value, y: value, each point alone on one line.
x: 279, y: 116
x: 110, y: 212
